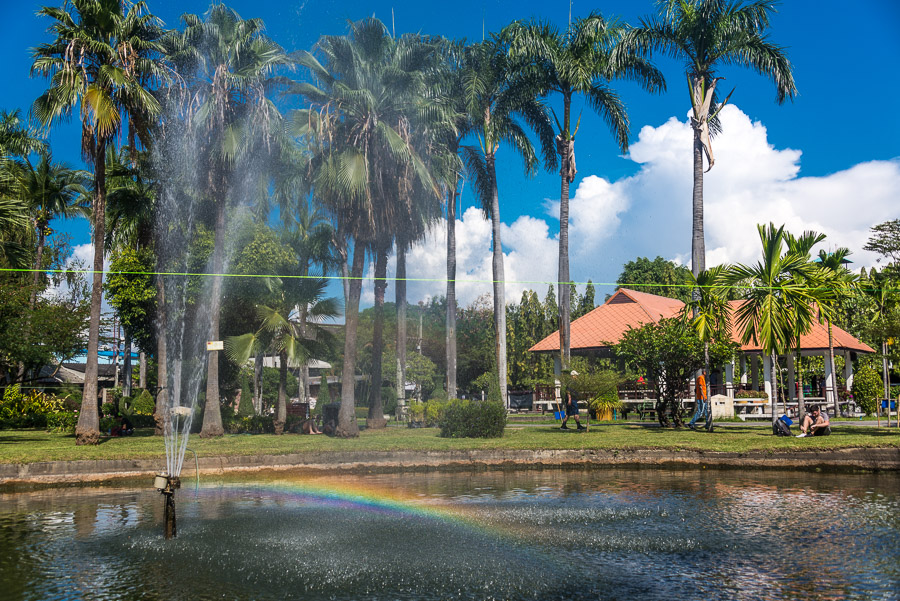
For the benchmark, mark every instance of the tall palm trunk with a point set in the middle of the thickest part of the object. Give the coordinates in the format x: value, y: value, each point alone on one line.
x: 834, y: 391
x: 281, y: 412
x: 142, y: 370
x: 126, y: 367
x: 499, y: 281
x: 401, y: 325
x: 38, y: 263
x: 451, y: 293
x: 885, y: 375
x: 162, y: 359
x: 212, y: 413
x: 87, y: 431
x: 347, y: 426
x: 565, y: 298
x: 801, y: 399
x: 376, y: 406
x: 257, y: 383
x: 698, y: 243
x: 774, y: 399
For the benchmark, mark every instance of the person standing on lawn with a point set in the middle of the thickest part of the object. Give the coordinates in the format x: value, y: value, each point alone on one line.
x: 571, y: 404
x: 702, y: 400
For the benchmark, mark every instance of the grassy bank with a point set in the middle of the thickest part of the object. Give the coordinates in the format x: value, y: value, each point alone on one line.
x: 32, y: 446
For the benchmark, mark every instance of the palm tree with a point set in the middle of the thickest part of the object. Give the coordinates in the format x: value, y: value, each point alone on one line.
x: 497, y: 101
x: 358, y: 133
x: 707, y: 34
x: 292, y: 328
x: 229, y: 63
x: 104, y: 58
x: 803, y: 246
x: 51, y: 190
x: 884, y: 296
x: 838, y: 283
x: 776, y: 296
x: 581, y: 60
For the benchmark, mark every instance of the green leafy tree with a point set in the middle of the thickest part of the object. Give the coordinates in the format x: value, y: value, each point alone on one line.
x: 660, y: 277
x: 294, y: 342
x: 131, y: 291
x: 885, y: 240
x: 707, y: 34
x: 103, y: 59
x: 667, y: 354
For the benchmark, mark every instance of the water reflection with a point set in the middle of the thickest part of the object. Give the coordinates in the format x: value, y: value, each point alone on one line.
x: 618, y: 534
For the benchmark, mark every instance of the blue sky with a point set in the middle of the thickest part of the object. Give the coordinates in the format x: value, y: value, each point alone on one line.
x: 828, y: 160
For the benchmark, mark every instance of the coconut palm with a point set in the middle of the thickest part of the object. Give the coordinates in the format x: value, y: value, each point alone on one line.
x: 707, y: 34
x: 292, y: 327
x: 499, y: 97
x: 583, y: 59
x: 776, y: 295
x: 359, y: 133
x: 104, y: 58
x: 837, y: 284
x: 229, y: 64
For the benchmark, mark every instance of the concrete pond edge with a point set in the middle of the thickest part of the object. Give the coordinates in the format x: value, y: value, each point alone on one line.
x: 878, y: 459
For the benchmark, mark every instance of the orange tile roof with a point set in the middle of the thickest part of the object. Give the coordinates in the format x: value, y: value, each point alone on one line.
x: 629, y: 308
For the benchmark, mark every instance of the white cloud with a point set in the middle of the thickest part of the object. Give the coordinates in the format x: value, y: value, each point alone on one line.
x: 649, y: 213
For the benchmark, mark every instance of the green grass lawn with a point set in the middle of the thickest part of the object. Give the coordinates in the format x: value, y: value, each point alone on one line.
x: 29, y: 446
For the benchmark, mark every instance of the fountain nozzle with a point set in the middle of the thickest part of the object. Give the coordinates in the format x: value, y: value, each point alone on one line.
x: 167, y: 485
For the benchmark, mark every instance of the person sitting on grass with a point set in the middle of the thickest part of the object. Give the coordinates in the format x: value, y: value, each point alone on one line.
x: 815, y: 423
x: 571, y: 405
x: 309, y: 427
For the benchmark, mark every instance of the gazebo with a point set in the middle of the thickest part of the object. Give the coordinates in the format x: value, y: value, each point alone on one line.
x: 594, y: 333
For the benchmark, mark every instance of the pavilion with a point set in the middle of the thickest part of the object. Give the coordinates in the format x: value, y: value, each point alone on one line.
x: 594, y: 333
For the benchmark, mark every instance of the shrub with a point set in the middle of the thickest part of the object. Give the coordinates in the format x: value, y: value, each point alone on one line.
x: 434, y: 411
x: 751, y: 394
x: 30, y: 410
x: 473, y: 419
x: 107, y: 410
x: 868, y: 388
x: 62, y: 421
x: 143, y: 404
x: 256, y: 424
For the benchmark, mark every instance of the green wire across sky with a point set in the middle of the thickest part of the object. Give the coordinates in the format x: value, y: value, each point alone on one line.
x: 408, y: 279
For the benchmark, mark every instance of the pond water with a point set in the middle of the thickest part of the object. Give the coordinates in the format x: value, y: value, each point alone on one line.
x: 607, y: 534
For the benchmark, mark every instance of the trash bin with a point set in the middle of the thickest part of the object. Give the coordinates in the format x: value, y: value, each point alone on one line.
x: 330, y: 413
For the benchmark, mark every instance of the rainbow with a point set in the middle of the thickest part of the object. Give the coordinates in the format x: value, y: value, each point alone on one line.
x: 358, y: 496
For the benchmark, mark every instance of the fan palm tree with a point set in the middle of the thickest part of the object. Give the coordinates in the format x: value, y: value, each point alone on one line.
x: 292, y: 327
x: 358, y: 129
x: 707, y: 34
x: 776, y: 295
x: 581, y: 60
x: 499, y: 96
x: 104, y: 58
x: 837, y: 284
x: 229, y: 65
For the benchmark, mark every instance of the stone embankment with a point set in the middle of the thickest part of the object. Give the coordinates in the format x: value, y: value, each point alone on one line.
x: 838, y: 460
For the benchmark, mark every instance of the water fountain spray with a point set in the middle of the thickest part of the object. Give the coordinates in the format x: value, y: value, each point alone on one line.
x: 177, y: 426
